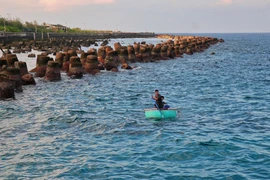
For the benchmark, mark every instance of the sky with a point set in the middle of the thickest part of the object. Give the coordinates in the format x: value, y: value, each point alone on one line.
x: 159, y: 16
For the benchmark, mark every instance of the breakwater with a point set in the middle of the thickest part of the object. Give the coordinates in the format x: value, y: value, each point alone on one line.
x: 70, y: 58
x: 10, y: 36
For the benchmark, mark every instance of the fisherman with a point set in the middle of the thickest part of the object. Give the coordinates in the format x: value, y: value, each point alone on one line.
x: 158, y: 100
x: 163, y: 103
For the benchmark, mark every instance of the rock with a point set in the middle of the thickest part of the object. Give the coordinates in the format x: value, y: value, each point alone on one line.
x: 75, y: 68
x: 131, y: 54
x: 22, y: 66
x: 53, y: 71
x: 11, y: 59
x: 126, y: 66
x: 41, y: 67
x: 221, y: 40
x: 111, y: 61
x: 31, y: 55
x: 91, y: 65
x: 7, y: 87
x: 101, y: 55
x: 3, y: 62
x: 28, y: 79
x: 123, y: 55
x: 104, y: 43
x: 14, y: 74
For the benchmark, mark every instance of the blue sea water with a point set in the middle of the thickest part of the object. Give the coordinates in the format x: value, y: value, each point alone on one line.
x: 94, y: 128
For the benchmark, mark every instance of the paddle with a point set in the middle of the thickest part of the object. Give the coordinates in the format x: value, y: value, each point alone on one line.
x: 159, y: 110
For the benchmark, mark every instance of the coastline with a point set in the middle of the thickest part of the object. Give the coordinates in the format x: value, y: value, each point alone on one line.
x: 13, y: 36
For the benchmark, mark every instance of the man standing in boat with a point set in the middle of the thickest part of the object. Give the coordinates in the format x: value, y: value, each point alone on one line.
x: 157, y: 98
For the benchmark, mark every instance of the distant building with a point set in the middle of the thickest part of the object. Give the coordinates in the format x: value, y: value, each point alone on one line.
x: 55, y: 26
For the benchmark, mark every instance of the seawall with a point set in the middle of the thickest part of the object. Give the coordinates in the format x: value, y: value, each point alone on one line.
x: 10, y: 36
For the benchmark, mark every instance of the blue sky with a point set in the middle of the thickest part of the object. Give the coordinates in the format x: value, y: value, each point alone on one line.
x: 161, y: 16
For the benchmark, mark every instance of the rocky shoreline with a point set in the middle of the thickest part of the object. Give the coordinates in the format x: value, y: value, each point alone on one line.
x: 71, y: 59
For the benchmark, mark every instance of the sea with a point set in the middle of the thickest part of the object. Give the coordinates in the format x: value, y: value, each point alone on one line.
x: 95, y: 127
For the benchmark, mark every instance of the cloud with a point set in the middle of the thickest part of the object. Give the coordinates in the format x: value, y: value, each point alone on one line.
x: 225, y: 2
x: 53, y: 5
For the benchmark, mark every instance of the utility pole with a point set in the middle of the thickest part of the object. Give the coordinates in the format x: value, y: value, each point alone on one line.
x: 9, y: 16
x: 4, y: 20
x: 4, y: 25
x: 35, y: 26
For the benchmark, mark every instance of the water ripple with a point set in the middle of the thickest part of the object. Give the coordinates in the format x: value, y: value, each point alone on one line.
x: 94, y: 127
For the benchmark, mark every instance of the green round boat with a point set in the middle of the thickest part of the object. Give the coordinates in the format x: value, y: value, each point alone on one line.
x: 159, y: 114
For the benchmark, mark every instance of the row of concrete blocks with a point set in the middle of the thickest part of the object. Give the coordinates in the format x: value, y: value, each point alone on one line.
x: 14, y: 73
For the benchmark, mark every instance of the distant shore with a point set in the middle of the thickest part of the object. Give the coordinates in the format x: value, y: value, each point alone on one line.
x: 10, y: 36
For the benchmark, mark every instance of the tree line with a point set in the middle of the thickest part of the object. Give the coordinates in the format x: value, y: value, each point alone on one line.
x: 16, y: 25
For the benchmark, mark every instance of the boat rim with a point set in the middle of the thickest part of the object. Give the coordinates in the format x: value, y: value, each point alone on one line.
x: 151, y: 109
